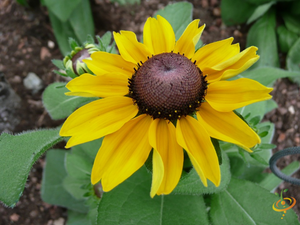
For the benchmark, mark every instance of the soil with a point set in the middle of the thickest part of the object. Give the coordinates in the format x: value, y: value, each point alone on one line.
x: 27, y: 44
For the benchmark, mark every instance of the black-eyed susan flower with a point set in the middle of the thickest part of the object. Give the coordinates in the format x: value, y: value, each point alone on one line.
x: 162, y: 95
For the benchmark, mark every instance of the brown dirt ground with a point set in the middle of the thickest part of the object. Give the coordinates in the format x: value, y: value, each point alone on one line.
x: 24, y: 45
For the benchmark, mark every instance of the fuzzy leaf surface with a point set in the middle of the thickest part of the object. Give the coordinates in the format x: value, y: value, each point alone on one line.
x: 130, y: 203
x: 17, y: 155
x: 59, y: 105
x: 247, y: 203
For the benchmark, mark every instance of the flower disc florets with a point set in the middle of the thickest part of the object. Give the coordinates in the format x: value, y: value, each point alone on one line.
x: 167, y: 86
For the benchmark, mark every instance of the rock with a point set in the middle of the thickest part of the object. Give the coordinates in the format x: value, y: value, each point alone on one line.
x: 14, y: 217
x: 51, y: 44
x: 33, y: 82
x: 10, y: 103
x: 44, y: 53
x: 59, y: 221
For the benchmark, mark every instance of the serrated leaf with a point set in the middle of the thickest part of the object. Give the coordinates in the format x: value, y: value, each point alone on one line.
x: 17, y: 155
x: 262, y: 35
x: 62, y: 8
x: 286, y: 38
x: 179, y: 16
x: 130, y: 203
x: 233, y: 13
x: 271, y: 181
x: 53, y: 191
x: 59, y: 105
x: 247, y: 203
x: 191, y: 183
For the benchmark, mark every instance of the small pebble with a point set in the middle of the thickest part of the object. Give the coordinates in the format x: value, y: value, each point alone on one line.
x: 51, y: 44
x: 14, y: 217
x: 33, y: 82
x: 59, y: 221
x: 237, y: 33
x: 217, y: 12
x: 291, y: 110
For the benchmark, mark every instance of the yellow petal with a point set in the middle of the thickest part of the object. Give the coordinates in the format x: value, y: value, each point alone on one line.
x: 130, y: 49
x: 99, y: 86
x: 167, y: 157
x: 213, y: 54
x: 225, y: 96
x: 104, y: 62
x: 193, y: 137
x: 236, y: 64
x: 188, y: 40
x: 97, y: 119
x: 158, y: 35
x: 227, y: 126
x: 122, y: 153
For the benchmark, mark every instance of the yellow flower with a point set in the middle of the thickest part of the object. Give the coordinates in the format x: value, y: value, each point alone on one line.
x: 151, y: 95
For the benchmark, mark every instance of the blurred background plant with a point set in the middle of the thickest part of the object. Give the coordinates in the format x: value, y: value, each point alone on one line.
x: 70, y: 19
x: 273, y: 24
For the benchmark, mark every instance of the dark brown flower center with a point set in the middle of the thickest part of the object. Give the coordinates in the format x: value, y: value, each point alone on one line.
x: 167, y: 86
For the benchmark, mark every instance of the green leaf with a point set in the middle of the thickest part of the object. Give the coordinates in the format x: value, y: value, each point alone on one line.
x: 216, y: 144
x: 17, y: 155
x: 126, y: 2
x: 62, y: 8
x: 249, y: 168
x: 62, y: 32
x: 192, y: 185
x: 59, y: 105
x: 260, y: 2
x: 293, y: 61
x: 79, y: 160
x: 292, y: 22
x: 53, y: 191
x: 58, y: 63
x: 179, y: 16
x: 286, y: 38
x: 258, y: 109
x: 262, y: 35
x: 268, y: 75
x: 271, y: 181
x: 81, y: 21
x: 259, y: 11
x: 75, y: 186
x: 106, y: 40
x: 23, y: 2
x: 75, y: 218
x: 233, y: 13
x: 130, y: 203
x: 247, y: 203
